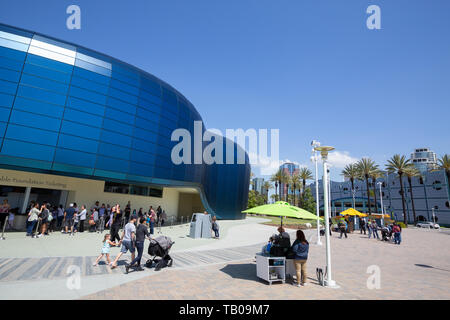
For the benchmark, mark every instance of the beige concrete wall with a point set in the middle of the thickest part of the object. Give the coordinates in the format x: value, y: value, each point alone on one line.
x: 189, y: 203
x: 85, y: 191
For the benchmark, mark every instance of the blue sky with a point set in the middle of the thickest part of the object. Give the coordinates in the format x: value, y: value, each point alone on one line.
x: 309, y: 68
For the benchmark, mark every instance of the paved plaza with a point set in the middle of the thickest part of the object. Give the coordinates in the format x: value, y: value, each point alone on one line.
x: 225, y: 268
x: 417, y: 269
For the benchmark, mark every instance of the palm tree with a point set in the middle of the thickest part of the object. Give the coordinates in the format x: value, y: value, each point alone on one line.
x: 295, y: 181
x: 375, y: 175
x: 278, y: 177
x: 251, y: 180
x: 266, y: 187
x: 411, y: 171
x: 398, y: 164
x: 286, y: 182
x: 305, y: 174
x: 365, y: 167
x: 351, y: 172
x: 444, y: 164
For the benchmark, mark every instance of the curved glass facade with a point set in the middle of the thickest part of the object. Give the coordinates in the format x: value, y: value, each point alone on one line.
x: 68, y: 110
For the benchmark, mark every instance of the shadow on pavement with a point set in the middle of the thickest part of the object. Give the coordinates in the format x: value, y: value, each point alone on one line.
x: 245, y: 271
x: 428, y: 266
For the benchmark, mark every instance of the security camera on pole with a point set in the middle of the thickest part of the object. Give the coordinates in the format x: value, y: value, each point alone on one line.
x: 324, y: 152
x: 314, y: 159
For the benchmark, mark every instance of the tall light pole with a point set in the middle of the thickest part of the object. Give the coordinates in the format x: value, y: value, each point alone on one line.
x: 315, y: 144
x: 328, y: 179
x: 432, y: 211
x: 324, y: 152
x: 381, y: 197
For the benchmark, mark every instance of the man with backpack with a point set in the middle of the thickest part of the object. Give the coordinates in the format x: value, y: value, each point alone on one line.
x: 343, y: 228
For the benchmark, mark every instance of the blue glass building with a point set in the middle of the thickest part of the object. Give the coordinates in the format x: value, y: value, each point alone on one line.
x: 66, y: 110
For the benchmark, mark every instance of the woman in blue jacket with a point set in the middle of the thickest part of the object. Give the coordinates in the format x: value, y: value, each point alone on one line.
x: 300, y: 247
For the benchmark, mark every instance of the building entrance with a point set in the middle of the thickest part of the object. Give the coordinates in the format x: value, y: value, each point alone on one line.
x: 19, y: 198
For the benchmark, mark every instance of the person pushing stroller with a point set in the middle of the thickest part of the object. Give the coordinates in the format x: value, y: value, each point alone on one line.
x: 141, y: 234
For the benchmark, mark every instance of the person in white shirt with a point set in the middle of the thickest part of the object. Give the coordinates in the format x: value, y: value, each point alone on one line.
x: 127, y: 240
x: 82, y: 217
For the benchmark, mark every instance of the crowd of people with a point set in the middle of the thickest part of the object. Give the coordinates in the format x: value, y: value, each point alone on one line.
x: 42, y: 219
x: 388, y: 231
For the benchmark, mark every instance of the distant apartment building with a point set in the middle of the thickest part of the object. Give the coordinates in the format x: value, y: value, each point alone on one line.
x: 257, y: 185
x: 431, y: 193
x: 289, y: 169
x: 424, y: 159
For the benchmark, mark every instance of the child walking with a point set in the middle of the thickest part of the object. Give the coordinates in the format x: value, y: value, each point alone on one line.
x: 107, y: 243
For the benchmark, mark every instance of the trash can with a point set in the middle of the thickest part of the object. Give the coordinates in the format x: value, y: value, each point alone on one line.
x: 201, y: 226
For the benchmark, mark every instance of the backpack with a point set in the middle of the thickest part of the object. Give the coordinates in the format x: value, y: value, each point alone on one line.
x: 277, y: 251
x: 396, y: 229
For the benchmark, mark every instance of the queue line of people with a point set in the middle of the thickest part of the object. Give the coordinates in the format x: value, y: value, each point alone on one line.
x: 44, y: 218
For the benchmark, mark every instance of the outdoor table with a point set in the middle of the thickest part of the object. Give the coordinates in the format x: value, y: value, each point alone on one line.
x: 268, y: 266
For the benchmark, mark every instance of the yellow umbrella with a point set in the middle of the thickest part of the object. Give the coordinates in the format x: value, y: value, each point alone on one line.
x: 352, y: 212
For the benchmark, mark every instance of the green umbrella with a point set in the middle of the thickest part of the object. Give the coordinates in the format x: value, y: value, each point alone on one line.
x: 282, y: 209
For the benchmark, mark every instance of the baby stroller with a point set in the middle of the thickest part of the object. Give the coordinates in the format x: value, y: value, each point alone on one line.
x: 386, y: 233
x: 160, y: 247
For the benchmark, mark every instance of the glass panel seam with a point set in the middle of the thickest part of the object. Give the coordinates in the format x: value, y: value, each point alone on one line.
x: 62, y: 117
x: 13, y: 102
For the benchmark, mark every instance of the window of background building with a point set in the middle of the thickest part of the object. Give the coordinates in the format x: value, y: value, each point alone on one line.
x: 138, y: 190
x: 116, y: 187
x: 4, y: 190
x: 155, y: 192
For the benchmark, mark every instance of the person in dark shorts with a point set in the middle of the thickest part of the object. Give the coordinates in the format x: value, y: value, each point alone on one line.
x: 141, y: 234
x: 43, y: 217
x: 69, y: 216
x: 127, y: 240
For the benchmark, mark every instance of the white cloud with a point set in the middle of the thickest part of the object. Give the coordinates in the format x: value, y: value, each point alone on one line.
x: 339, y: 159
x: 267, y: 166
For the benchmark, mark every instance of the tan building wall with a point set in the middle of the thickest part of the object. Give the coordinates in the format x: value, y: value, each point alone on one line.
x: 189, y: 203
x: 86, y: 191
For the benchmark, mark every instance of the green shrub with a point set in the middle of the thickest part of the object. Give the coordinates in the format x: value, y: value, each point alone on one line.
x: 402, y: 225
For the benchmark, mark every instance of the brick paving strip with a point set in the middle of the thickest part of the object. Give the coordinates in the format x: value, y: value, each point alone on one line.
x: 55, y: 267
